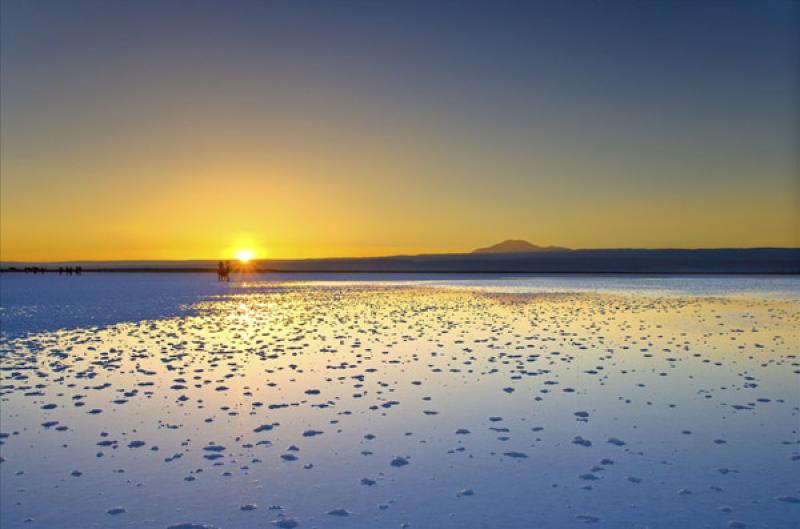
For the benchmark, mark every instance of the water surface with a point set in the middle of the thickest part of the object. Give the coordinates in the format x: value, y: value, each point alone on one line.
x: 156, y: 400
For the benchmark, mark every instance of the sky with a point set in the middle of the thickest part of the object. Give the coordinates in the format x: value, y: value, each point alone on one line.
x: 188, y: 130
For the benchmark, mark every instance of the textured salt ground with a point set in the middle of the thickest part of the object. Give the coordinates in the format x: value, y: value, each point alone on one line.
x: 377, y: 406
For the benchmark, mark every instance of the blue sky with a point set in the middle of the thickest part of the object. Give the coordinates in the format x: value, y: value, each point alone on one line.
x: 373, y: 127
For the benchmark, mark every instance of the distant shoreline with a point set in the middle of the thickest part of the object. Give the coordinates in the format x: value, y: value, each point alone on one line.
x: 753, y: 261
x: 410, y: 272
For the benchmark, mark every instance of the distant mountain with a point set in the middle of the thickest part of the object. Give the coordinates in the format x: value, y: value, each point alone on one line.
x: 517, y: 246
x: 536, y: 261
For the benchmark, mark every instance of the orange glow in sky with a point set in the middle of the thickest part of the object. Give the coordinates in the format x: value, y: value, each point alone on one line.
x: 298, y: 134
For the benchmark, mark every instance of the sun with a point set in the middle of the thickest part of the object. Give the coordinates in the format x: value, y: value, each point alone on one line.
x: 245, y: 255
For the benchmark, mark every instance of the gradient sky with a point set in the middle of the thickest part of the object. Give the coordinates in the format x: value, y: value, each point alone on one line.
x: 173, y: 129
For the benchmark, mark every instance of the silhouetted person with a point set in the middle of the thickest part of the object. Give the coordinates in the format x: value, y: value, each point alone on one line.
x: 223, y: 271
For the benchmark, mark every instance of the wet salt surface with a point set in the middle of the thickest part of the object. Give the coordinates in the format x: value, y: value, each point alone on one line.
x: 34, y: 303
x: 379, y: 404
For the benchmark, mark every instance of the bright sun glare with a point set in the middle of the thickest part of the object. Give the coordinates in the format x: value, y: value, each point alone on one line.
x: 244, y: 255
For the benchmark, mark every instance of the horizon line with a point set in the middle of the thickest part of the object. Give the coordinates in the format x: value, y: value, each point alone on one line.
x: 544, y: 250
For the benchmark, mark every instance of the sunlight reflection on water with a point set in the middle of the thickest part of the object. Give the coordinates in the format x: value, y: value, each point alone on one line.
x: 510, y: 410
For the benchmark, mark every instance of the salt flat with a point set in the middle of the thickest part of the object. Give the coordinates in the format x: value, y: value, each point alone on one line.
x: 545, y: 402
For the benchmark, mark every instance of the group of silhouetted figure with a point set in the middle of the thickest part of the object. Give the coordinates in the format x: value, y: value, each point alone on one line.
x: 224, y: 271
x: 69, y: 270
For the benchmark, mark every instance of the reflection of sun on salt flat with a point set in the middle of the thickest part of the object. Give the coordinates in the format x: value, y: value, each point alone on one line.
x: 584, y: 381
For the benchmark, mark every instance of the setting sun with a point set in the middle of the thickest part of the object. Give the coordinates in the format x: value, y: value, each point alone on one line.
x: 245, y: 255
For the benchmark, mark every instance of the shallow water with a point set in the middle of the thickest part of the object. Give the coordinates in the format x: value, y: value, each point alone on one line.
x: 432, y: 402
x: 30, y: 303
